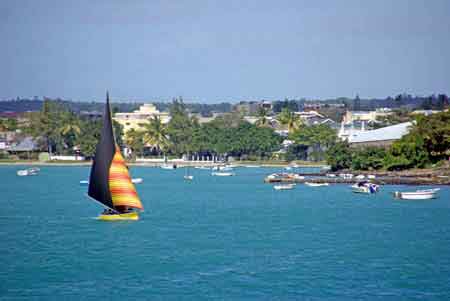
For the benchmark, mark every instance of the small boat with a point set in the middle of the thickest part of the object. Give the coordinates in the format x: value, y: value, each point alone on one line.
x: 296, y: 176
x: 188, y: 176
x: 330, y: 175
x: 360, y: 177
x: 371, y: 176
x: 222, y: 174
x: 365, y: 187
x: 134, y: 181
x: 252, y: 166
x: 223, y: 168
x: 425, y: 194
x: 346, y: 175
x: 168, y: 166
x: 33, y: 171
x: 284, y: 186
x: 110, y: 182
x: 288, y: 168
x: 137, y: 180
x: 316, y: 184
x: 202, y: 167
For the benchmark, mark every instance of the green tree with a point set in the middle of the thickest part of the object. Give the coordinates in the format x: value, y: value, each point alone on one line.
x: 262, y: 120
x: 339, y: 155
x: 155, y: 134
x: 289, y: 120
x: 180, y: 128
x: 135, y: 140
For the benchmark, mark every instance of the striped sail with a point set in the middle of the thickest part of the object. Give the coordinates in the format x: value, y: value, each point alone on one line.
x: 121, y: 188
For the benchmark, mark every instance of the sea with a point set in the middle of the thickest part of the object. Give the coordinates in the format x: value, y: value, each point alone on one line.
x: 219, y: 238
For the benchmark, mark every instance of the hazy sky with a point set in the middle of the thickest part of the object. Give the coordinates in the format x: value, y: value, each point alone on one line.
x: 223, y: 50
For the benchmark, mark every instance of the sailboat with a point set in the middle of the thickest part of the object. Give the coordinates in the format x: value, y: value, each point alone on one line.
x: 109, y: 182
x: 188, y: 176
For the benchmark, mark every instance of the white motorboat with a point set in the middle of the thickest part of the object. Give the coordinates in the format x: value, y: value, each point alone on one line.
x: 330, y: 175
x: 222, y: 174
x: 28, y: 172
x: 365, y: 187
x: 288, y: 168
x: 316, y: 184
x: 360, y: 177
x: 252, y: 166
x: 425, y: 194
x: 284, y: 186
x: 134, y: 181
x: 188, y: 178
x: 371, y: 176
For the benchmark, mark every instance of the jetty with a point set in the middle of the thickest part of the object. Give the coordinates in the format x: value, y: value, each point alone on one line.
x: 382, y: 180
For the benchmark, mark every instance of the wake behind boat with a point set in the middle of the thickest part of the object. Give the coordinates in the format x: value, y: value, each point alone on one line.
x: 109, y: 182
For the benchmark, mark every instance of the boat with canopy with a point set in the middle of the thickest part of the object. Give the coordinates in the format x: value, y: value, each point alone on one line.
x: 110, y: 182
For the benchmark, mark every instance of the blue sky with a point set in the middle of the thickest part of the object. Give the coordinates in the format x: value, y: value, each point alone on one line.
x: 214, y: 51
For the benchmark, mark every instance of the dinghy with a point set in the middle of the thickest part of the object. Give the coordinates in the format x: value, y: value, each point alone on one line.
x: 316, y: 184
x: 284, y: 186
x: 33, y: 171
x: 222, y: 174
x: 425, y: 194
x: 109, y: 182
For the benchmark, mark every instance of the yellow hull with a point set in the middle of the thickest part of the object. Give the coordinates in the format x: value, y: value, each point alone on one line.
x: 132, y: 216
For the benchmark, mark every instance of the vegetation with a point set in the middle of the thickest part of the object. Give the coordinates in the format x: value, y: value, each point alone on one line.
x: 315, y: 139
x: 427, y: 143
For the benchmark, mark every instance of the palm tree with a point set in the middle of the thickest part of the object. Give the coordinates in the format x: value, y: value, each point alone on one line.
x: 288, y: 119
x: 135, y: 140
x: 155, y: 134
x: 262, y: 121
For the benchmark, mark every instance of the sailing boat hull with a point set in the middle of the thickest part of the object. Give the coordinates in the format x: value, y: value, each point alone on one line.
x: 131, y: 216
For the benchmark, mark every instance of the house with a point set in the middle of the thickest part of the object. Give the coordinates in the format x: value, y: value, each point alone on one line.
x: 382, y: 137
x: 133, y: 120
x: 365, y: 116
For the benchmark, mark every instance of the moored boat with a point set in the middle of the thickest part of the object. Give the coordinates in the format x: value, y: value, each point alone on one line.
x: 365, y: 187
x: 110, y: 183
x: 168, y: 166
x: 222, y: 174
x: 425, y: 194
x: 284, y: 186
x: 33, y: 171
x: 134, y: 181
x: 316, y: 184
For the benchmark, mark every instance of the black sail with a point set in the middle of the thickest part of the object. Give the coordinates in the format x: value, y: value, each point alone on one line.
x: 99, y: 178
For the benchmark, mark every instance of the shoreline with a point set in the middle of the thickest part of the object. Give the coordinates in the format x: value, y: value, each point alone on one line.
x: 159, y: 164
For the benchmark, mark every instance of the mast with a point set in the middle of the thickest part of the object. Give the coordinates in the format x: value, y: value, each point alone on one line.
x: 104, y: 153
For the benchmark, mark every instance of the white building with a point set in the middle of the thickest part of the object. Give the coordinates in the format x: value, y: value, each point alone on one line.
x: 379, y: 137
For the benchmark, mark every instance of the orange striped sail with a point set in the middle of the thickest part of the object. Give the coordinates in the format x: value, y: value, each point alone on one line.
x: 122, y: 189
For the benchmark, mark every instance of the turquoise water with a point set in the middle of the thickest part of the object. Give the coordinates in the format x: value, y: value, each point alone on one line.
x: 219, y: 238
